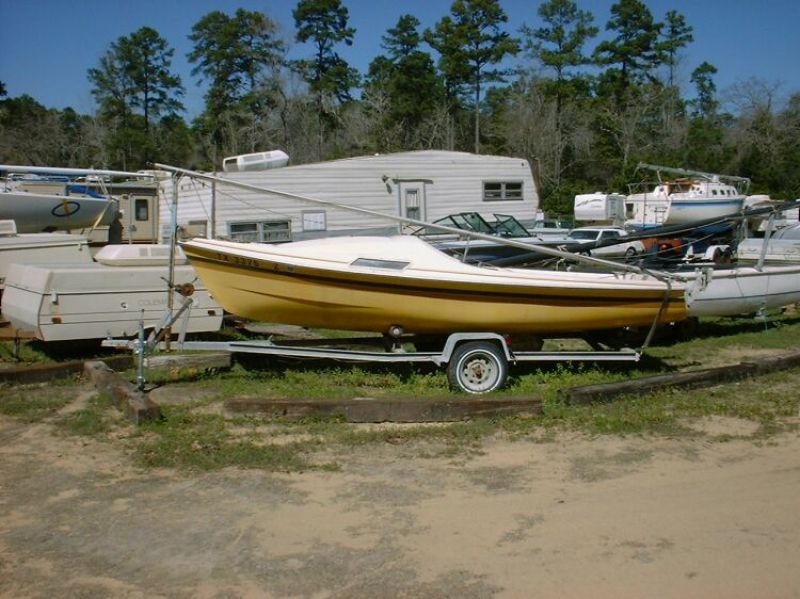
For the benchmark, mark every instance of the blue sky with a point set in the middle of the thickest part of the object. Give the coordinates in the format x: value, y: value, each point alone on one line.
x: 47, y: 46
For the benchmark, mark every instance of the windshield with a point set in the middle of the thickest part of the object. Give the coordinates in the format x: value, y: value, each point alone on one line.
x: 508, y: 226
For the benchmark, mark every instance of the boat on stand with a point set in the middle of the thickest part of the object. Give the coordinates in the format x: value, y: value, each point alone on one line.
x: 49, y: 202
x: 685, y: 198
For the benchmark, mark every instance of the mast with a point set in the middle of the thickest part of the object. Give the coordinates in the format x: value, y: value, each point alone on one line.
x: 72, y: 172
x: 690, y: 173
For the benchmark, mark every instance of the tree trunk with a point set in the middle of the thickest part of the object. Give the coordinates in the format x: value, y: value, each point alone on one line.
x: 477, y: 115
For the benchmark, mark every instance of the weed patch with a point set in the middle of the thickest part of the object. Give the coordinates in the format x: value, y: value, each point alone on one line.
x: 33, y: 403
x: 188, y: 440
x: 95, y: 419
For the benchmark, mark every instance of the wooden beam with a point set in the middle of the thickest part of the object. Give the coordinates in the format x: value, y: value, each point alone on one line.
x: 42, y: 373
x: 388, y: 410
x: 686, y: 380
x: 135, y: 404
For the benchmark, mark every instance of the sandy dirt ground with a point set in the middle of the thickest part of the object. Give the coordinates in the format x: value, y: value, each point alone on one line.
x: 570, y: 517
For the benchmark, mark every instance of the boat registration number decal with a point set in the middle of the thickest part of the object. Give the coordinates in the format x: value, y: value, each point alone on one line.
x: 238, y: 260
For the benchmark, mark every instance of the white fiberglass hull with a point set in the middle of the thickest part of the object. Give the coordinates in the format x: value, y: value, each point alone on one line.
x: 742, y: 290
x: 778, y: 250
x: 691, y: 210
x: 38, y: 212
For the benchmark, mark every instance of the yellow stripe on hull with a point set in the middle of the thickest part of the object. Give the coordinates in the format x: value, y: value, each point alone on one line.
x: 294, y: 297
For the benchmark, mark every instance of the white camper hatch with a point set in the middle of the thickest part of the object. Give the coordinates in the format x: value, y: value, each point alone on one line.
x: 150, y: 254
x: 95, y: 301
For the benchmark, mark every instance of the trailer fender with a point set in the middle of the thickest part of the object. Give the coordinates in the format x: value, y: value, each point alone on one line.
x: 456, y: 339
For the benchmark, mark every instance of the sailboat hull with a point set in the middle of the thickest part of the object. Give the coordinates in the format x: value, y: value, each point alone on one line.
x: 37, y: 212
x: 743, y: 290
x: 691, y: 210
x: 360, y: 285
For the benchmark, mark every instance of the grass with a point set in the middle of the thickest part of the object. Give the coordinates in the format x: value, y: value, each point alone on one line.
x: 95, y: 419
x: 195, y: 433
x: 311, y: 381
x: 39, y: 352
x: 185, y: 439
x: 666, y: 412
x: 35, y: 403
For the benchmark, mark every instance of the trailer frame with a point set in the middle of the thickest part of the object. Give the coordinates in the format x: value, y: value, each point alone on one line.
x: 476, y: 362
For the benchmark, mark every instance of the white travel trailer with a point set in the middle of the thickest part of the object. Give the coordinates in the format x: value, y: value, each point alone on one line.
x: 421, y: 185
x: 600, y: 207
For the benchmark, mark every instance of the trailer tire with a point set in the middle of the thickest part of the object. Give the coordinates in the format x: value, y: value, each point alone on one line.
x: 477, y: 367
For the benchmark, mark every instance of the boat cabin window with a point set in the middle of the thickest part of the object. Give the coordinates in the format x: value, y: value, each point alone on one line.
x: 374, y: 263
x: 261, y: 231
x: 499, y: 191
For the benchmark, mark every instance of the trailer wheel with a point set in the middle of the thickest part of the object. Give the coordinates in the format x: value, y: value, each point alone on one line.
x: 477, y: 367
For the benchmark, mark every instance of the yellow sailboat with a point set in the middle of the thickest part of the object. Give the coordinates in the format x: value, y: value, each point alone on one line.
x: 401, y: 283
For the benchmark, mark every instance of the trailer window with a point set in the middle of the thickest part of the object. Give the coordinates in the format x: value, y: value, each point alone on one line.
x: 314, y: 220
x: 276, y: 231
x: 412, y: 204
x: 500, y: 191
x: 243, y: 231
x: 261, y: 231
x: 142, y: 210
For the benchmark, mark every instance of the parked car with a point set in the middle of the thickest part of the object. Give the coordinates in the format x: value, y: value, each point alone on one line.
x: 591, y: 235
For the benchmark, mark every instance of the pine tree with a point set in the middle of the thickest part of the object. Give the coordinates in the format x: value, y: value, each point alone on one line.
x: 558, y: 45
x: 133, y: 86
x: 635, y: 48
x: 241, y: 57
x: 407, y: 78
x: 677, y: 34
x: 323, y: 23
x: 470, y: 43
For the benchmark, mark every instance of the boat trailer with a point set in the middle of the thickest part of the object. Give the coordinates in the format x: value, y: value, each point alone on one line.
x: 476, y: 362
